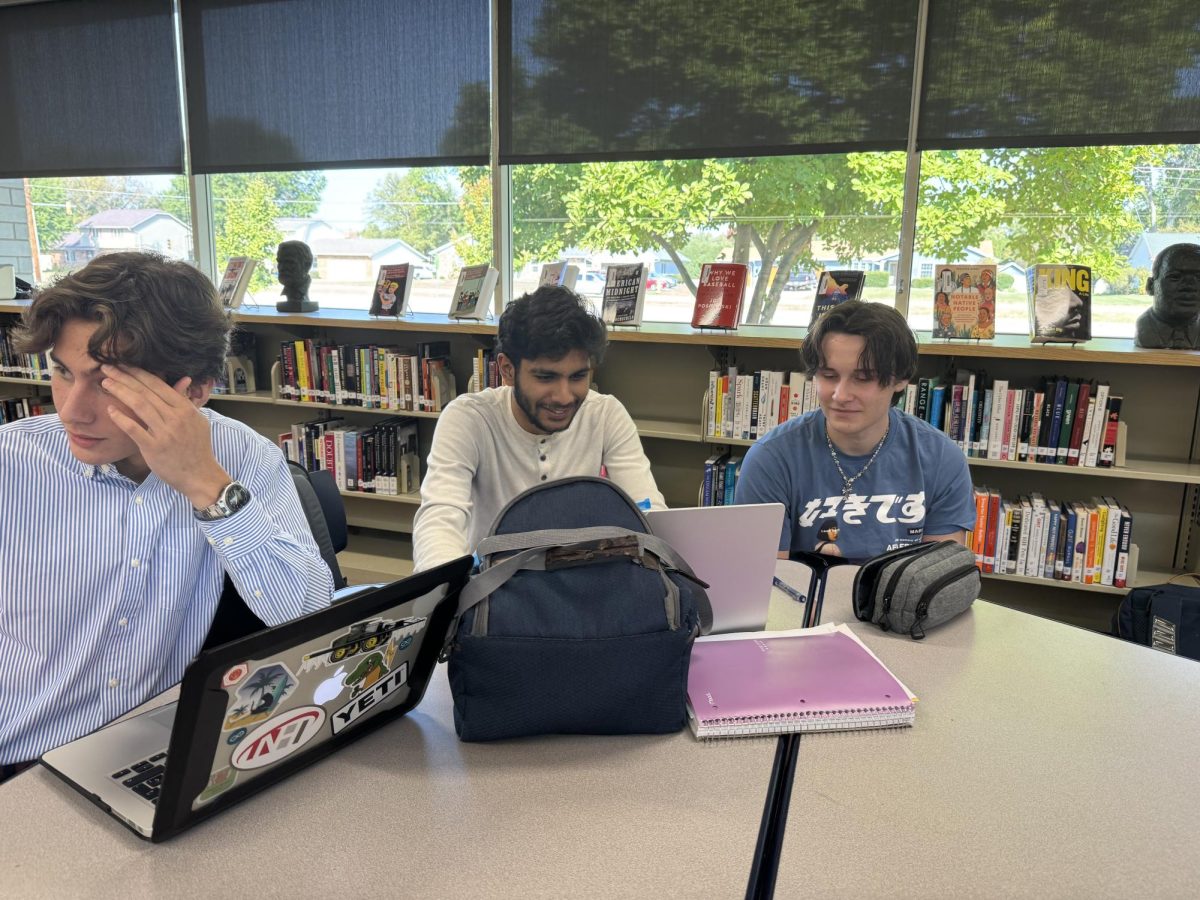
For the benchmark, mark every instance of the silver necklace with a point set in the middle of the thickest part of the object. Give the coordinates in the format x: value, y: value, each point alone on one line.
x: 848, y: 481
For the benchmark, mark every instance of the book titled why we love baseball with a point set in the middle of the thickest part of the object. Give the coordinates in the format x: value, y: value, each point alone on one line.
x: 774, y: 682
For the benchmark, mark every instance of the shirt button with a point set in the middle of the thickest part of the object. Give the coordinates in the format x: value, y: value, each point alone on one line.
x: 542, y: 457
x: 543, y: 478
x: 137, y: 500
x: 258, y: 593
x: 122, y: 621
x: 227, y: 541
x: 135, y: 563
x: 112, y: 682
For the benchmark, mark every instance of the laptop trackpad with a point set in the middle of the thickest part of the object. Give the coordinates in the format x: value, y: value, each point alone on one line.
x: 164, y: 715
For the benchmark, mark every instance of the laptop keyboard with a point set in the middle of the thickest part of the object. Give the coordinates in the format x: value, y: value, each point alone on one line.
x: 145, y: 777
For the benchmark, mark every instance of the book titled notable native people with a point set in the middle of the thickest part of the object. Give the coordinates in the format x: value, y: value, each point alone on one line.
x: 235, y: 281
x: 560, y: 274
x: 624, y: 294
x: 392, y: 288
x: 473, y: 292
x: 1060, y: 303
x: 964, y: 302
x: 719, y: 295
x: 836, y: 286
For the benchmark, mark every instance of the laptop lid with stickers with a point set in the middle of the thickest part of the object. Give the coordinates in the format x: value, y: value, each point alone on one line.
x: 254, y: 711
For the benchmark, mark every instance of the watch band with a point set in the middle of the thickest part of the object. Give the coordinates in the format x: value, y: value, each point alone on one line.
x: 232, y: 498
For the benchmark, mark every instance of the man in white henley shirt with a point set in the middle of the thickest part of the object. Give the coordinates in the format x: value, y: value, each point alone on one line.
x: 543, y: 424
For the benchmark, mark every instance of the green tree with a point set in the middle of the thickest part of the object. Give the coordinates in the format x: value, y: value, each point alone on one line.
x: 702, y: 247
x: 418, y: 206
x: 248, y: 228
x: 1171, y: 201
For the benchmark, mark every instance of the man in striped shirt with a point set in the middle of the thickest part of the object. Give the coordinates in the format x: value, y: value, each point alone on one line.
x: 121, y: 514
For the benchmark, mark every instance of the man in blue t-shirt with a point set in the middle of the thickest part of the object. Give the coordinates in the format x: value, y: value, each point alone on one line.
x: 856, y: 476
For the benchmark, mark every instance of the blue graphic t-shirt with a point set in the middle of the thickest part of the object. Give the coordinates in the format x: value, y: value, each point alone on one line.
x: 919, y: 484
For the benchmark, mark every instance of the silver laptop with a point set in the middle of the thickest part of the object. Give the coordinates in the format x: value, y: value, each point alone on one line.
x: 734, y: 549
x: 253, y: 711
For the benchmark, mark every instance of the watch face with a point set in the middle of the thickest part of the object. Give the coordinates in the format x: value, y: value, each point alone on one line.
x: 235, y: 497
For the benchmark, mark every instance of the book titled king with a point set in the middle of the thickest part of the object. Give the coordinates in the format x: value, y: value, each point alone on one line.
x: 1060, y: 303
x: 719, y: 295
x: 473, y: 292
x: 624, y: 294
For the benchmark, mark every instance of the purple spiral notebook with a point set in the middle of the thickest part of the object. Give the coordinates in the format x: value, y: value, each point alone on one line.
x: 799, y: 682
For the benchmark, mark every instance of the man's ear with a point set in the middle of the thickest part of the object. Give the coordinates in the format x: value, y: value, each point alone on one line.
x: 198, y: 392
x: 508, y: 369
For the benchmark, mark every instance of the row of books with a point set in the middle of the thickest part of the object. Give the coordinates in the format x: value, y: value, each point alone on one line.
x: 1085, y: 541
x: 720, y: 479
x: 21, y: 365
x: 22, y: 408
x: 746, y: 406
x: 485, y: 371
x: 367, y: 376
x: 1063, y: 421
x: 378, y: 459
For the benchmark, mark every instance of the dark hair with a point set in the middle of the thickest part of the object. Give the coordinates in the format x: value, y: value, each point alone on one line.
x: 550, y: 322
x: 890, y: 351
x: 158, y: 314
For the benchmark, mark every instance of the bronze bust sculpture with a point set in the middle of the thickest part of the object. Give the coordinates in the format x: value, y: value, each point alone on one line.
x: 293, y: 259
x: 1173, y: 321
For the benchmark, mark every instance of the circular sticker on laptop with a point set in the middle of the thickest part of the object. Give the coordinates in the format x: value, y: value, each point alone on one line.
x: 234, y: 675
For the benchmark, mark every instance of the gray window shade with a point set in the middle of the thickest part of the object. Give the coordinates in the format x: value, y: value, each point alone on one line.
x: 88, y: 88
x: 1030, y: 73
x: 587, y: 80
x: 289, y: 84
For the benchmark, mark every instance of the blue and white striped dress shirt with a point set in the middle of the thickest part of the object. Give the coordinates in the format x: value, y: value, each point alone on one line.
x: 108, y: 587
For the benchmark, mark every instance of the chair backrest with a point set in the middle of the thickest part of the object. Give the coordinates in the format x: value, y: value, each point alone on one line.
x: 326, y: 514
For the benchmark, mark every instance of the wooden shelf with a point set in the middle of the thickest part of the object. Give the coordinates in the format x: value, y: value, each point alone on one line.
x: 265, y: 397
x: 1144, y: 577
x: 1171, y: 471
x: 413, y: 499
x: 32, y: 382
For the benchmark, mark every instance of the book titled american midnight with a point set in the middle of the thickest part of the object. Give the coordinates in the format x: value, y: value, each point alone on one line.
x: 1060, y: 303
x: 624, y: 294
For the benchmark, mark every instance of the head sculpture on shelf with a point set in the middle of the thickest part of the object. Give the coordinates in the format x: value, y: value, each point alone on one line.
x: 293, y: 260
x: 1173, y: 321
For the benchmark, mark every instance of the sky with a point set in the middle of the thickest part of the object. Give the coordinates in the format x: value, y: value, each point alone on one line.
x: 345, y: 194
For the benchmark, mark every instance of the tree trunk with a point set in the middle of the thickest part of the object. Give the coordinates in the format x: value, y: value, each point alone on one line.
x: 684, y: 274
x: 788, y: 252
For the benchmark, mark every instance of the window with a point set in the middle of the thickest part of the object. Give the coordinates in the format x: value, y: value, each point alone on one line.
x: 786, y: 217
x: 1111, y: 208
x: 76, y: 219
x: 355, y: 220
x: 926, y: 270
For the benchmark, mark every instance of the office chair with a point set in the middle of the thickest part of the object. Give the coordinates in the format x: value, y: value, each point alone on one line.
x: 326, y: 515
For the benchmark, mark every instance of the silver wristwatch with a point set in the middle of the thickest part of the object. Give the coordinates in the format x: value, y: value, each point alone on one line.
x: 232, y: 498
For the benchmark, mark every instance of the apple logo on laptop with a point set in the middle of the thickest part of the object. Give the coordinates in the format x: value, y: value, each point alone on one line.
x: 331, y: 687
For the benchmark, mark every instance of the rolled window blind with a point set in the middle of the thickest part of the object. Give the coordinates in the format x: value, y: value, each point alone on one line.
x: 291, y: 84
x: 88, y: 88
x: 666, y: 78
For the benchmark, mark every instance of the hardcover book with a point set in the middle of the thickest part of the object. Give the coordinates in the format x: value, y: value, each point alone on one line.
x: 559, y: 273
x: 392, y: 288
x: 1060, y: 303
x: 816, y: 679
x: 473, y: 292
x: 719, y: 295
x: 964, y: 302
x: 836, y: 286
x: 235, y: 281
x: 624, y: 294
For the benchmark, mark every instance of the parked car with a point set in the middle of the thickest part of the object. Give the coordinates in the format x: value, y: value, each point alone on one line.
x: 660, y: 283
x: 590, y: 284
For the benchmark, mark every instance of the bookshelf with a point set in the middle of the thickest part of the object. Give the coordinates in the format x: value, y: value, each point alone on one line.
x: 660, y: 372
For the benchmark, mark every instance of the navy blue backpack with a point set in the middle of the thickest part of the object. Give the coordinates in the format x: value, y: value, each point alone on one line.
x: 1163, y: 616
x: 579, y: 620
